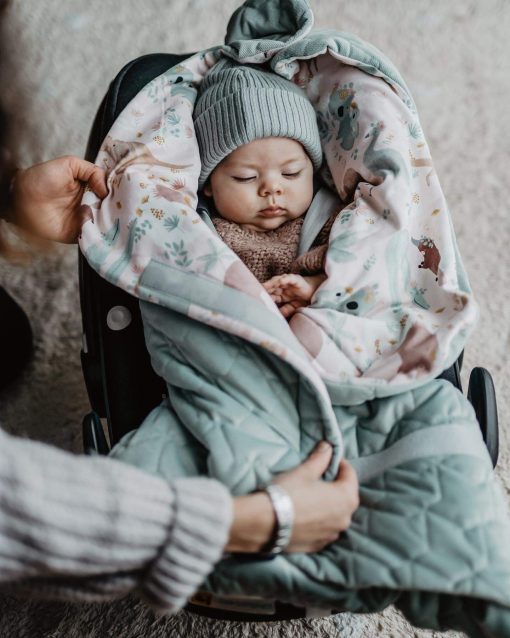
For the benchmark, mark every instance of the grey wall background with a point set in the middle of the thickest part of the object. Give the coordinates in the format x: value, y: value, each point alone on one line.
x: 58, y: 60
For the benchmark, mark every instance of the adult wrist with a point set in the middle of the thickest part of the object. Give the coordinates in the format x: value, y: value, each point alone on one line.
x: 253, y: 524
x: 263, y: 522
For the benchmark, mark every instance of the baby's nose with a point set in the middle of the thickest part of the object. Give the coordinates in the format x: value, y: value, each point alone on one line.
x: 271, y: 188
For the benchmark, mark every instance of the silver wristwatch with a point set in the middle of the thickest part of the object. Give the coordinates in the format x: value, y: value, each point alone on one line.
x: 284, y: 511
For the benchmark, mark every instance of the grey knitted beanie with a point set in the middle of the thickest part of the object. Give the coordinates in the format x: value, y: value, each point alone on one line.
x: 240, y: 103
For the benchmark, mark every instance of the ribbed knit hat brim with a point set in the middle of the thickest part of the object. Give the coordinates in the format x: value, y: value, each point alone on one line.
x: 238, y: 104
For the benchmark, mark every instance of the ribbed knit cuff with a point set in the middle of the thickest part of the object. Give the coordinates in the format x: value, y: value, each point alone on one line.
x: 91, y: 528
x: 201, y: 523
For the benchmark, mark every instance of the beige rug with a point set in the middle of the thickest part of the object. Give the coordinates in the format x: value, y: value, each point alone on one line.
x: 60, y: 59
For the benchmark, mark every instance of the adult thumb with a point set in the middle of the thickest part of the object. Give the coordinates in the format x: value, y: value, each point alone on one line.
x: 97, y: 182
x: 89, y: 173
x: 318, y: 461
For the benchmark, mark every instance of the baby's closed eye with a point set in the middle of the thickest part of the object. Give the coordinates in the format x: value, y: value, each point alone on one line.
x: 243, y: 179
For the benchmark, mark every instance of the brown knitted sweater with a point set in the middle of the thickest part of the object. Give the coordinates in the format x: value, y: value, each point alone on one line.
x: 275, y: 252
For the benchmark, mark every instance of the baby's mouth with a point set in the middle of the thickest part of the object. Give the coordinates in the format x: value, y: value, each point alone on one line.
x: 272, y: 211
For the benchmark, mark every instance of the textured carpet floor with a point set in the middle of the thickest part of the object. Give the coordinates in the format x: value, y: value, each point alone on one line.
x: 60, y: 59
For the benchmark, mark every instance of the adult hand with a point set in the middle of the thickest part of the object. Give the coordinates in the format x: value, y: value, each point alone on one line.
x: 46, y: 197
x: 323, y: 509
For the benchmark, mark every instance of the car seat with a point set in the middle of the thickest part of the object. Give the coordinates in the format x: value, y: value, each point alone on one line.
x: 121, y: 384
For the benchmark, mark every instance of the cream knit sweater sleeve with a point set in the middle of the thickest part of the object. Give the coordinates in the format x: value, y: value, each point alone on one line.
x: 93, y: 528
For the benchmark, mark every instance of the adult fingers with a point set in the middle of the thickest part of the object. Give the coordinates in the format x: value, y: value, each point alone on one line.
x: 87, y: 172
x: 318, y: 461
x: 97, y: 182
x: 346, y: 473
x: 347, y: 481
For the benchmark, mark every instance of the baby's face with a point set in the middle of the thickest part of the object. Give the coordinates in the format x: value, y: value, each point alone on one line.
x: 263, y: 184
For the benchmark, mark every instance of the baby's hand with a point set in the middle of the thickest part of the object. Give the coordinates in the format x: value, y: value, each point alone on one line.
x: 291, y: 292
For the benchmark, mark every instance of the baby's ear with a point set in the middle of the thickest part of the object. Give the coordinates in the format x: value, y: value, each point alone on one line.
x: 207, y: 189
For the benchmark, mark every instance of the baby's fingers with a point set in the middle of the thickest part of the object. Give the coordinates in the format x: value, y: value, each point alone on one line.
x: 272, y: 283
x: 288, y: 309
x: 276, y: 294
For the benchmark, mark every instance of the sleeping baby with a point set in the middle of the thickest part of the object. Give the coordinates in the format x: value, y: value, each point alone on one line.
x: 259, y: 147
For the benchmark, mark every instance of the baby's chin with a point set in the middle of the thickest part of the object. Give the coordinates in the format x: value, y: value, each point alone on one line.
x: 264, y: 225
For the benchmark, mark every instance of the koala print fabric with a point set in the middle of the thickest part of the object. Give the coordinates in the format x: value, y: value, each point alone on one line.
x: 249, y: 394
